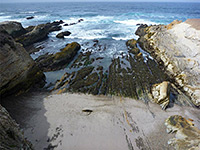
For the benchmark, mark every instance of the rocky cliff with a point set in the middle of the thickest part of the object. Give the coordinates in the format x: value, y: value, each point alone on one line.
x: 18, y: 70
x: 177, y: 48
x: 11, y: 138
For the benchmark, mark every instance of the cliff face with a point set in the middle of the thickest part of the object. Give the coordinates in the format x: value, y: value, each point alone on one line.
x: 11, y: 138
x: 18, y: 70
x: 177, y: 47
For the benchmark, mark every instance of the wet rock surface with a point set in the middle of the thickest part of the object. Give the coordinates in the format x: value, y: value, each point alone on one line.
x: 18, y: 70
x: 176, y: 48
x: 59, y: 60
x: 129, y: 74
x: 11, y: 137
x: 13, y: 28
x: 187, y: 136
x: 38, y: 33
x: 62, y: 34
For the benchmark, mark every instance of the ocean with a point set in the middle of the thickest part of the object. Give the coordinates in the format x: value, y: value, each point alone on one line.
x: 111, y: 23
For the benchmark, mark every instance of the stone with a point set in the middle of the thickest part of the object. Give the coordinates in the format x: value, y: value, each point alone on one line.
x: 59, y: 60
x: 160, y: 93
x: 13, y: 28
x: 18, y: 70
x: 11, y: 135
x: 187, y: 136
x: 62, y: 34
x: 29, y: 18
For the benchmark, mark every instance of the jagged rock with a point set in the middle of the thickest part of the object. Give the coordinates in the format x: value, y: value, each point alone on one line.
x: 187, y: 137
x: 177, y: 50
x: 18, y: 70
x: 11, y: 136
x: 131, y: 44
x: 38, y: 33
x: 62, y: 34
x: 13, y: 28
x: 160, y: 93
x: 59, y: 60
x: 29, y: 18
x: 141, y: 29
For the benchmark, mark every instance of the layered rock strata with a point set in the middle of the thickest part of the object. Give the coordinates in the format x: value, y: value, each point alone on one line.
x: 18, y: 70
x: 177, y: 48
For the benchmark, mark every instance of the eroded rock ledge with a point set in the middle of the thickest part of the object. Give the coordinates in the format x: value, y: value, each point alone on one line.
x: 18, y: 70
x: 177, y: 48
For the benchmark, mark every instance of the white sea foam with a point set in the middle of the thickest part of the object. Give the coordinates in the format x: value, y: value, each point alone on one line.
x: 28, y: 12
x: 134, y: 22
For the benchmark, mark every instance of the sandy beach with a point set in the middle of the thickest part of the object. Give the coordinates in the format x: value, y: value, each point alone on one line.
x: 86, y: 122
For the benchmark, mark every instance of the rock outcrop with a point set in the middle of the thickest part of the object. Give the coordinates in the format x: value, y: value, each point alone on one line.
x: 177, y: 48
x: 59, y: 60
x: 62, y: 34
x: 13, y: 28
x: 187, y: 137
x: 160, y: 93
x: 18, y: 70
x: 11, y: 137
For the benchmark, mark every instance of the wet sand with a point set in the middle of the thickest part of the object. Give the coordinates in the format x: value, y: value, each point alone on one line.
x: 86, y: 122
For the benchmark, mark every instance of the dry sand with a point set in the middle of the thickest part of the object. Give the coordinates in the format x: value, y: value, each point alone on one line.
x: 114, y: 124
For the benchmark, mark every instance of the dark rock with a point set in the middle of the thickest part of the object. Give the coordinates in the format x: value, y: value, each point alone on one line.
x: 80, y: 20
x: 18, y: 70
x: 62, y: 34
x: 66, y: 24
x: 11, y: 136
x: 141, y: 30
x: 72, y: 24
x: 38, y: 33
x: 29, y: 28
x: 13, y: 28
x: 131, y: 44
x: 59, y: 60
x: 28, y: 18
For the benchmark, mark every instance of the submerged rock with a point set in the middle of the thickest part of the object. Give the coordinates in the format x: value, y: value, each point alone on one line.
x: 59, y: 60
x: 187, y: 137
x: 18, y: 70
x: 160, y: 93
x: 11, y: 136
x: 62, y: 34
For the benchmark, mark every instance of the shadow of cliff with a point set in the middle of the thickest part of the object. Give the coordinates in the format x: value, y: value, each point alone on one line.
x: 28, y: 111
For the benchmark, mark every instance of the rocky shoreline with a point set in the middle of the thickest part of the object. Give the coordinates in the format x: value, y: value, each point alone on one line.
x: 171, y: 78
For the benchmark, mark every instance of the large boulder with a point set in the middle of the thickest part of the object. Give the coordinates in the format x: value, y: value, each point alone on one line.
x: 38, y: 33
x: 187, y: 137
x: 18, y: 70
x: 59, y: 60
x: 13, y: 28
x: 62, y: 34
x: 11, y: 137
x: 160, y: 93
